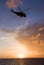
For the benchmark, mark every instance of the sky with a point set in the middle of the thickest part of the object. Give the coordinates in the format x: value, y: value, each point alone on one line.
x: 21, y: 37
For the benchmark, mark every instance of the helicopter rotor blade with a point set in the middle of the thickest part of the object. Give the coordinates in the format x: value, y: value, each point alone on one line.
x: 28, y: 13
x: 19, y: 9
x: 26, y: 9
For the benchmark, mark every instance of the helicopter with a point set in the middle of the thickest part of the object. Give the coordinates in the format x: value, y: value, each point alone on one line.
x: 20, y: 13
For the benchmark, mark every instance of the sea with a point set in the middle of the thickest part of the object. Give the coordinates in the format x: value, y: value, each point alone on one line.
x: 22, y: 61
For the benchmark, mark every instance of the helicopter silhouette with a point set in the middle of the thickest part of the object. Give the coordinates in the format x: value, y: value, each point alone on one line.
x: 20, y: 13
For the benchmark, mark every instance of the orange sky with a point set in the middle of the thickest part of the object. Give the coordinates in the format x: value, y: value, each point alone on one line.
x: 13, y: 45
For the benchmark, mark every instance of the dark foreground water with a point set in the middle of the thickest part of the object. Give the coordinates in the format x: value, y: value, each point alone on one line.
x: 26, y: 61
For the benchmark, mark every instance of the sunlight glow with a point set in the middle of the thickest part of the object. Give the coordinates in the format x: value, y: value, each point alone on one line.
x: 21, y: 51
x: 21, y: 56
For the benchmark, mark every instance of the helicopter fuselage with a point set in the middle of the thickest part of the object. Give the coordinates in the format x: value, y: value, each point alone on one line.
x: 21, y: 14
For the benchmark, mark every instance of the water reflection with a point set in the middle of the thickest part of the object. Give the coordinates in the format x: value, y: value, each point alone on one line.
x: 27, y: 61
x: 19, y: 62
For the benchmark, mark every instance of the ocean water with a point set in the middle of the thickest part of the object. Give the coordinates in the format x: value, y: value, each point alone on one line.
x: 26, y: 61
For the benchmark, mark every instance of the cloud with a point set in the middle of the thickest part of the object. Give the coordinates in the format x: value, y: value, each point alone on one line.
x: 34, y: 32
x: 31, y: 36
x: 13, y: 3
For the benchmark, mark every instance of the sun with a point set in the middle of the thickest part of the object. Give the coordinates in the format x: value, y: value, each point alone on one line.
x: 21, y: 51
x: 21, y: 55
